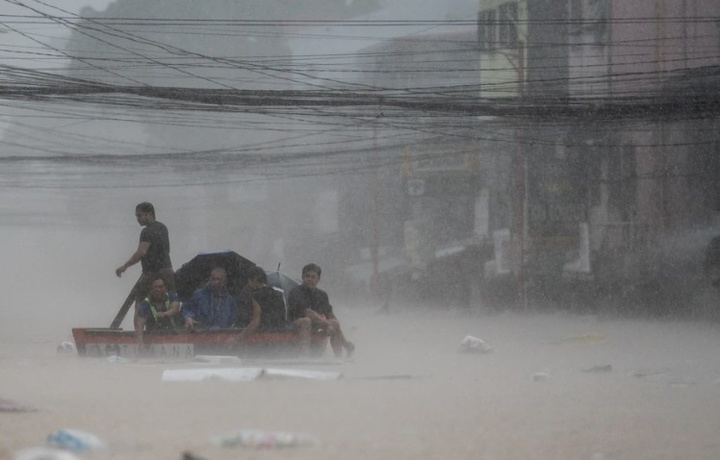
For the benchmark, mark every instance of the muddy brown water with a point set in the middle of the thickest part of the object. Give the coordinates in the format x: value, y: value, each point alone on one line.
x: 408, y: 393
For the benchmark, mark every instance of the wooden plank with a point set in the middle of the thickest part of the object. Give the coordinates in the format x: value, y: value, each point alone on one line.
x: 125, y: 306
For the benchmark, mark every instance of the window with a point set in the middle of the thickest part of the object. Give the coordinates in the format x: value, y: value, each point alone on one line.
x: 508, y: 32
x: 576, y: 16
x: 487, y: 24
x: 490, y: 29
x: 481, y: 30
x: 590, y: 18
x: 598, y: 14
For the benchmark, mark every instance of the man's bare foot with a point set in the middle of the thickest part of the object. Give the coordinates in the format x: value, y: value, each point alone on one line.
x: 349, y: 349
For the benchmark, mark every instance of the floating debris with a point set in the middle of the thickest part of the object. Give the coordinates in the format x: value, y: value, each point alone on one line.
x: 43, y: 453
x: 233, y: 374
x: 74, y: 440
x: 262, y: 439
x: 221, y: 359
x: 187, y: 455
x: 66, y: 347
x: 642, y: 373
x: 245, y: 374
x: 599, y: 368
x: 472, y: 344
x: 10, y: 406
x: 115, y: 359
x: 300, y: 374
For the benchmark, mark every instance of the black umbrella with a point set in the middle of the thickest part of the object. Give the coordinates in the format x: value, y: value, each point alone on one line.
x: 194, y: 274
x: 281, y: 281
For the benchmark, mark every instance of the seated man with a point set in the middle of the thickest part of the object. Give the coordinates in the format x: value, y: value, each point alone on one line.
x: 267, y: 304
x: 211, y: 307
x: 243, y: 300
x: 159, y: 310
x: 309, y: 308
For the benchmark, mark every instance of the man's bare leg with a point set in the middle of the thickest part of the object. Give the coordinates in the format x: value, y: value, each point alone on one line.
x: 303, y: 326
x: 338, y: 340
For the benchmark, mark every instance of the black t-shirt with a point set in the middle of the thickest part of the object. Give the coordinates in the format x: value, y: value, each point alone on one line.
x: 272, y: 307
x: 302, y: 297
x: 158, y: 255
x: 243, y: 299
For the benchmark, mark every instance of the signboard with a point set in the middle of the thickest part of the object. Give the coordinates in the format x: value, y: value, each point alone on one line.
x: 441, y: 161
x: 556, y: 196
x: 434, y: 158
x: 130, y: 351
x: 502, y: 244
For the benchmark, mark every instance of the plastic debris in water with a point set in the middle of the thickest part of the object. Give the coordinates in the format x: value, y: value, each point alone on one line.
x: 217, y: 359
x: 540, y: 376
x: 43, y: 453
x: 187, y: 455
x: 642, y: 373
x: 233, y: 374
x: 10, y: 406
x: 262, y: 439
x: 67, y: 348
x: 74, y: 440
x: 599, y: 368
x: 474, y: 345
x: 300, y: 374
x: 244, y: 374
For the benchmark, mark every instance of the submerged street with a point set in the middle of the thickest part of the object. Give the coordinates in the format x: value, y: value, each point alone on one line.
x: 554, y: 386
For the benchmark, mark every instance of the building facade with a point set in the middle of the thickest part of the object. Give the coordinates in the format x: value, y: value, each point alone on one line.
x: 614, y: 208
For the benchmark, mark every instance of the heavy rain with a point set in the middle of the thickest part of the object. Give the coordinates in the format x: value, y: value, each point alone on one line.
x: 513, y: 203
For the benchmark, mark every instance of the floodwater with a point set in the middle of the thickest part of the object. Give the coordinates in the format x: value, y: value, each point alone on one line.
x: 409, y: 393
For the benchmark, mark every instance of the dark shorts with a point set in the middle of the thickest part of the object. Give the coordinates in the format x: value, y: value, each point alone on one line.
x: 143, y: 285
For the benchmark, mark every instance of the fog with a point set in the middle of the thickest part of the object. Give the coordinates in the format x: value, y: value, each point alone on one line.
x: 601, y: 322
x: 409, y: 392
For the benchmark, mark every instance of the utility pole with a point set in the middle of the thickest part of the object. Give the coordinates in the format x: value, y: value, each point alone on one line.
x: 520, y: 170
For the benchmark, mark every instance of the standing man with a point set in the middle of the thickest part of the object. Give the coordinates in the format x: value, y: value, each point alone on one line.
x: 211, y: 307
x: 310, y: 306
x: 153, y: 253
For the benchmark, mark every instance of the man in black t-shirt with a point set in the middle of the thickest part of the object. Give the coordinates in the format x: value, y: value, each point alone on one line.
x: 309, y: 308
x: 153, y: 253
x: 267, y: 304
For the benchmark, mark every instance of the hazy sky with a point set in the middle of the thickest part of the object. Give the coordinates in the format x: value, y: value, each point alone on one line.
x: 19, y: 50
x: 70, y: 5
x: 13, y: 43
